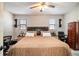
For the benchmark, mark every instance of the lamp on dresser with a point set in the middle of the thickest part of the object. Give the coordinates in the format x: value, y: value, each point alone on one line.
x: 52, y: 31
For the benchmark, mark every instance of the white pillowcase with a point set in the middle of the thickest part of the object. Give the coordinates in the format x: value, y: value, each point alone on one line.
x: 30, y: 34
x: 46, y: 34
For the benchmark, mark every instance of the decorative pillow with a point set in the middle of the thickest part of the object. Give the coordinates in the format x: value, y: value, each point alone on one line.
x: 30, y: 34
x: 46, y: 34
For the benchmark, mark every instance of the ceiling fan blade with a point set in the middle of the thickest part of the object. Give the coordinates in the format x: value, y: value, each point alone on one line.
x: 52, y: 6
x: 34, y: 7
x: 37, y: 5
x: 43, y: 3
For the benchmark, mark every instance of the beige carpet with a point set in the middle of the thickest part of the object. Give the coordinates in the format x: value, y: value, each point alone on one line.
x: 75, y: 52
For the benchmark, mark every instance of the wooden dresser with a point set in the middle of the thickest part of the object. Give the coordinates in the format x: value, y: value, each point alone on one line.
x: 73, y: 35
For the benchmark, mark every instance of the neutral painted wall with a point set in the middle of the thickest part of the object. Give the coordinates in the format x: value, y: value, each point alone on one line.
x: 1, y: 26
x: 8, y: 23
x: 72, y: 16
x: 39, y: 20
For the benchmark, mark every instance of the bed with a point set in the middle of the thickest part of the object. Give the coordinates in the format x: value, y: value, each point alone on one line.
x: 40, y: 46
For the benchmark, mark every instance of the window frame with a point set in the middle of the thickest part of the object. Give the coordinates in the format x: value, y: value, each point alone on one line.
x: 25, y: 24
x: 52, y: 24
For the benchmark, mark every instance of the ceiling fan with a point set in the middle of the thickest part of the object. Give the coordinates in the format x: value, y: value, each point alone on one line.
x: 42, y: 5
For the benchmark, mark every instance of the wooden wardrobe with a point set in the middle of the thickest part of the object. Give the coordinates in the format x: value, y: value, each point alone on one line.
x: 73, y: 35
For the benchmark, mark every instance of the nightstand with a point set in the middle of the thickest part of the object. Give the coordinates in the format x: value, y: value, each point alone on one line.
x: 53, y: 34
x: 19, y: 37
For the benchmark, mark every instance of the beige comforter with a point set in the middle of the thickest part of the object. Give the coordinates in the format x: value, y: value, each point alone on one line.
x: 40, y: 46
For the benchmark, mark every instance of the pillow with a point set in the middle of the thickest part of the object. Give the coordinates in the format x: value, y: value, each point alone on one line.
x: 30, y: 34
x: 46, y: 34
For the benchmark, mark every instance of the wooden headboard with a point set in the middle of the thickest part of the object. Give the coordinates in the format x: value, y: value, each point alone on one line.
x: 35, y: 28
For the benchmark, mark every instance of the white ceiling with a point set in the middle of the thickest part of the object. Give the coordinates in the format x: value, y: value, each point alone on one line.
x: 23, y: 8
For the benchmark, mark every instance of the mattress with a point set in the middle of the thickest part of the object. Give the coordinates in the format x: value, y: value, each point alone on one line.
x: 40, y: 46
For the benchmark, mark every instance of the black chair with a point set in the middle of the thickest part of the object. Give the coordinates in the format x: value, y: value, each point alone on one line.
x: 62, y: 36
x: 6, y: 43
x: 7, y: 40
x: 1, y: 47
x: 13, y: 42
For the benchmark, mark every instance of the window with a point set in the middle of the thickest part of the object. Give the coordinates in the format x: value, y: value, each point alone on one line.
x: 23, y: 24
x: 22, y: 21
x: 52, y: 24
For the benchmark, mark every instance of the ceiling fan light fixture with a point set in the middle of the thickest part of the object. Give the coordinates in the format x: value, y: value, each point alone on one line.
x: 42, y: 6
x: 41, y: 10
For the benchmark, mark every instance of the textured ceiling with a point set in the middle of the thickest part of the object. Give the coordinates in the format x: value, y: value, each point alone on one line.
x: 23, y: 8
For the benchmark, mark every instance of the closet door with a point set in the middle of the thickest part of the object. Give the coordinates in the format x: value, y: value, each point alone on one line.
x: 72, y: 34
x: 77, y: 36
